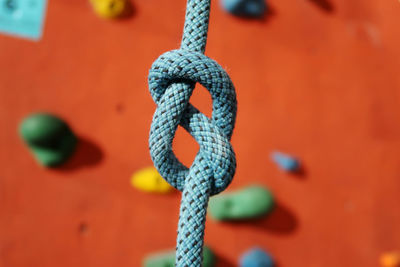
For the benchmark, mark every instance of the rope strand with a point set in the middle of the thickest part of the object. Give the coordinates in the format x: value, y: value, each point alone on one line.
x: 172, y: 78
x: 195, y: 30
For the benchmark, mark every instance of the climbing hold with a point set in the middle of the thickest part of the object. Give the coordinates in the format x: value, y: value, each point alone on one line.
x: 390, y: 259
x: 256, y: 257
x: 167, y: 259
x: 109, y: 8
x: 245, y: 8
x: 285, y: 162
x: 250, y: 202
x: 149, y: 180
x: 48, y: 137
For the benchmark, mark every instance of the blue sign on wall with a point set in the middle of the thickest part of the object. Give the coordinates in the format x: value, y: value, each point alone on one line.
x: 23, y: 18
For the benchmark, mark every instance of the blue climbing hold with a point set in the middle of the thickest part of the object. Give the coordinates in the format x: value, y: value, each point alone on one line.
x: 256, y: 257
x: 245, y: 8
x: 285, y: 162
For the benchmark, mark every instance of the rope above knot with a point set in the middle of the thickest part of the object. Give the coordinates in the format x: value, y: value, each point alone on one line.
x: 171, y: 81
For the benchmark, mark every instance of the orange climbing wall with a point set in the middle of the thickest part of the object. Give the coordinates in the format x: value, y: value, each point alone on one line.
x: 315, y: 78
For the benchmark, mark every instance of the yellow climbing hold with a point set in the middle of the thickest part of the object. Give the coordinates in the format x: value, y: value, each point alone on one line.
x: 390, y: 259
x: 109, y: 8
x: 149, y: 180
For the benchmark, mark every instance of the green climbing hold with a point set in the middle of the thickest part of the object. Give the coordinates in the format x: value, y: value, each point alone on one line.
x: 49, y: 138
x: 250, y: 202
x: 167, y: 259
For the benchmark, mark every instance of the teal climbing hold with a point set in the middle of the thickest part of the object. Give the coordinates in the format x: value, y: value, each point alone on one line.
x: 245, y: 8
x: 23, y: 18
x: 250, y: 202
x: 48, y: 137
x: 167, y: 259
x: 256, y: 257
x: 285, y: 162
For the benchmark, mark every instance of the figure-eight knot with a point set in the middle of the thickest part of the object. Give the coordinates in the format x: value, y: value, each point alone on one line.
x: 172, y: 79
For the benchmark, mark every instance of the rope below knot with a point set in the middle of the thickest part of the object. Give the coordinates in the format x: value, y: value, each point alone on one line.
x: 172, y: 79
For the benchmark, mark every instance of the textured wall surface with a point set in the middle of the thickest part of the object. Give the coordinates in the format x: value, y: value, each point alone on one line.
x: 317, y: 79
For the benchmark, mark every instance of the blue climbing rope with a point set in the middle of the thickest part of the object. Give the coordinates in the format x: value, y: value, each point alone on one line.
x: 172, y: 79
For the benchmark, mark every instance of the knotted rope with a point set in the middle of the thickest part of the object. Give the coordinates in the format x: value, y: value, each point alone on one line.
x: 172, y: 79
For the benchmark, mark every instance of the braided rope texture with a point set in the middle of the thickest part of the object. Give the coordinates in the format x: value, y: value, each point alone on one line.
x: 172, y: 79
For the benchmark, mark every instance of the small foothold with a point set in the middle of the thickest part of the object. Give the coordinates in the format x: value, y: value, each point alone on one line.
x: 245, y: 8
x: 167, y: 259
x: 250, y: 202
x: 285, y: 162
x: 149, y: 180
x: 49, y: 138
x: 109, y: 8
x: 83, y: 228
x: 390, y: 259
x: 256, y: 257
